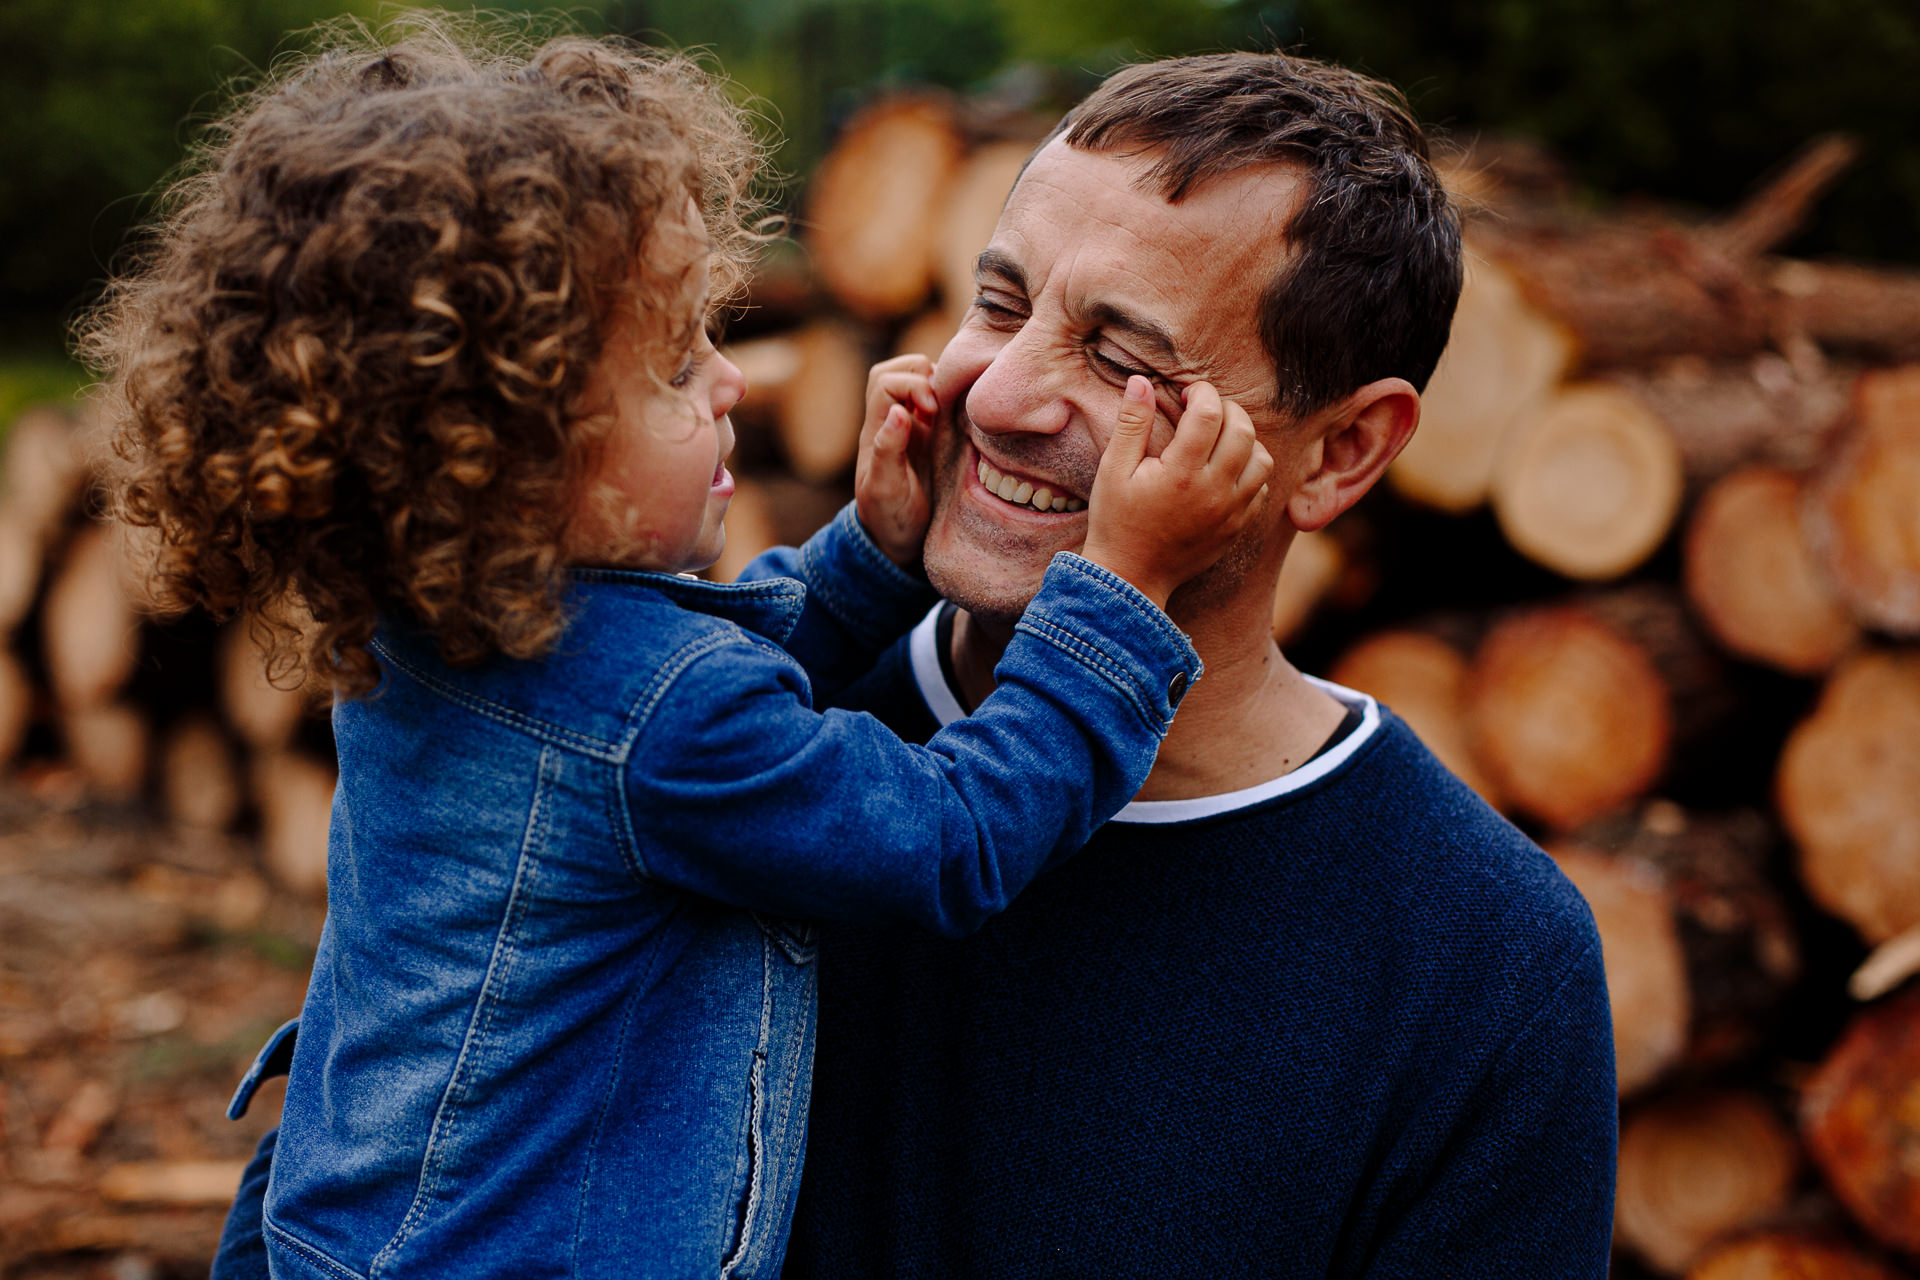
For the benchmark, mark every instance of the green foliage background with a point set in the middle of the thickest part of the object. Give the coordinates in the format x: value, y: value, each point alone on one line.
x: 1689, y: 102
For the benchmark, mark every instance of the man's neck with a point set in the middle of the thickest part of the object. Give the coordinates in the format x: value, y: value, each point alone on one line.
x: 1251, y: 718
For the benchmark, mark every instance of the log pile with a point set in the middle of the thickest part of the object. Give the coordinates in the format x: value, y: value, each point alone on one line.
x: 1647, y: 579
x: 1675, y: 485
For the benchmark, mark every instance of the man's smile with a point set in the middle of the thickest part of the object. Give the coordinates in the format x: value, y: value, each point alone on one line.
x: 1010, y: 487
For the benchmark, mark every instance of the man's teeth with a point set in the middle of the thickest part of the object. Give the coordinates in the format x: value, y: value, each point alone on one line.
x: 1024, y: 494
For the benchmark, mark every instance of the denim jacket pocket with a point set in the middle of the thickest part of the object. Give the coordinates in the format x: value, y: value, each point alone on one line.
x: 274, y: 1058
x: 779, y: 1082
x: 800, y: 939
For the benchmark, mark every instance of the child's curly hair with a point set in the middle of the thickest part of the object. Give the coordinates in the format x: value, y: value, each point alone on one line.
x: 344, y: 367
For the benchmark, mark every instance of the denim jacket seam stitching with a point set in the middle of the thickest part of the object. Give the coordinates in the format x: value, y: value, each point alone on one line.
x: 867, y: 556
x: 663, y: 681
x: 1098, y: 662
x: 606, y: 1105
x: 757, y: 1153
x: 818, y: 584
x: 891, y: 575
x: 446, y: 1119
x: 639, y: 719
x: 315, y: 1254
x: 1131, y: 594
x: 559, y: 735
x: 620, y: 822
x: 791, y: 1184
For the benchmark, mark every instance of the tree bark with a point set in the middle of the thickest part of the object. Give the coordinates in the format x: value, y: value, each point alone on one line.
x: 1735, y: 929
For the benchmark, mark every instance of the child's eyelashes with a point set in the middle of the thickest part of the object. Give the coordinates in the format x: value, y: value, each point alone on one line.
x: 684, y: 377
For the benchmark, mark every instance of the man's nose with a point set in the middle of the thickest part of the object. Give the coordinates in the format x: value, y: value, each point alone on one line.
x: 1021, y: 390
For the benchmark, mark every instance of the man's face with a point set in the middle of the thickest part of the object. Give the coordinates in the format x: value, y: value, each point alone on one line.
x: 1089, y: 278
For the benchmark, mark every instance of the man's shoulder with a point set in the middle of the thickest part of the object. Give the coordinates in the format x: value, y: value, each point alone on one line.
x: 1439, y: 836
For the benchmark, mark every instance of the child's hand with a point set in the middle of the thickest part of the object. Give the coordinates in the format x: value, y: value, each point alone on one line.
x: 1159, y: 521
x: 889, y: 481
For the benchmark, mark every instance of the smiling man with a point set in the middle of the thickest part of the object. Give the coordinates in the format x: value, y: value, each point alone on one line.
x: 1307, y: 1007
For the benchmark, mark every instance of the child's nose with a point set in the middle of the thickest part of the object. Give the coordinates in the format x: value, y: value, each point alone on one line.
x: 729, y: 386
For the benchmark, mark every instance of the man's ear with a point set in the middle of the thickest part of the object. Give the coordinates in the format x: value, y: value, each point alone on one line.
x: 1357, y: 438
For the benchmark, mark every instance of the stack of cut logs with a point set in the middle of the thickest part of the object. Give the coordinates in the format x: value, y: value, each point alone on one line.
x: 1697, y: 469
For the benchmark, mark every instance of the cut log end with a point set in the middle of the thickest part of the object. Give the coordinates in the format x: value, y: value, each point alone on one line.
x: 199, y: 781
x: 1502, y: 362
x: 1848, y: 789
x: 1863, y: 517
x: 1646, y: 966
x: 1695, y: 1169
x: 1753, y: 580
x: 822, y: 404
x: 1591, y: 487
x: 1779, y: 1256
x: 91, y: 634
x: 295, y: 796
x: 1860, y: 1115
x: 876, y: 202
x: 1424, y: 680
x: 979, y: 192
x: 1569, y: 717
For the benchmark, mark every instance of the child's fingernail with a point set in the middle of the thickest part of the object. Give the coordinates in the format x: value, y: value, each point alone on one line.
x: 1138, y: 388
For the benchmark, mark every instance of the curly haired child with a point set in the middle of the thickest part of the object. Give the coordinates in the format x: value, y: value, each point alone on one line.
x: 421, y: 354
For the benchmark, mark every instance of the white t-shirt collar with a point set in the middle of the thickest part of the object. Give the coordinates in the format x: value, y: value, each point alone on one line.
x: 923, y: 648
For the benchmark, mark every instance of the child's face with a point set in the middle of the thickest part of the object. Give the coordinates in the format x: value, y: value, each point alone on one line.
x: 658, y: 492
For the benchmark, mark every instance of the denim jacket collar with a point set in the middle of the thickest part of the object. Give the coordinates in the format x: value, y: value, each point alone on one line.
x: 769, y: 607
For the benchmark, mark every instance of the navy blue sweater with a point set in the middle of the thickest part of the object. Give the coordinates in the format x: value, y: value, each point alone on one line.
x: 1351, y: 1024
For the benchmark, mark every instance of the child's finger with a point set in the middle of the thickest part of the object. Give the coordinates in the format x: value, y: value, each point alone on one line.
x: 899, y: 364
x: 1257, y: 469
x: 900, y: 388
x: 1236, y: 442
x: 1128, y: 444
x: 911, y: 388
x: 890, y: 441
x: 1198, y: 430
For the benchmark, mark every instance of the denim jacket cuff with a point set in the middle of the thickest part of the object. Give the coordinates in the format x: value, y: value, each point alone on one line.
x: 1109, y: 625
x: 850, y: 575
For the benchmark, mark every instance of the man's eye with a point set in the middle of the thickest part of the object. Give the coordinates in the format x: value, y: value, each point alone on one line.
x: 995, y: 309
x: 1119, y: 368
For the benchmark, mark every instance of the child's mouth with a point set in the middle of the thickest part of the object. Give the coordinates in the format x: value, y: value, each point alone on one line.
x: 722, y: 483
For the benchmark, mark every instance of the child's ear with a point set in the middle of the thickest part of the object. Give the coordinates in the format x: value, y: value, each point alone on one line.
x: 1352, y: 444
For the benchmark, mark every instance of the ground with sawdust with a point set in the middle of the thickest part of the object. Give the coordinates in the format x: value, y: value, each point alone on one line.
x: 140, y: 968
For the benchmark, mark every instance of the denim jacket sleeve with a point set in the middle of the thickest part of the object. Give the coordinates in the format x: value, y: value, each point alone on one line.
x: 858, y: 601
x: 739, y: 791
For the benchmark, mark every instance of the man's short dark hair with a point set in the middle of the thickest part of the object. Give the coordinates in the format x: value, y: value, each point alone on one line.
x: 1372, y: 270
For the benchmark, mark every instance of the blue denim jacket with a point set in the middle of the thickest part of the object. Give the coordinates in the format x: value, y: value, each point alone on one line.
x: 561, y: 1020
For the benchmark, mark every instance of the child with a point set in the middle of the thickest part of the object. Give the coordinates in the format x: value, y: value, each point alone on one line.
x: 423, y: 352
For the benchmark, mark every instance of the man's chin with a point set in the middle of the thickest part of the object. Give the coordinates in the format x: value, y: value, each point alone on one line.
x: 988, y: 571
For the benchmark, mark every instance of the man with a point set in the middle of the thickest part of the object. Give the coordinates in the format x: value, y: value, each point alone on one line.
x: 1307, y: 1007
